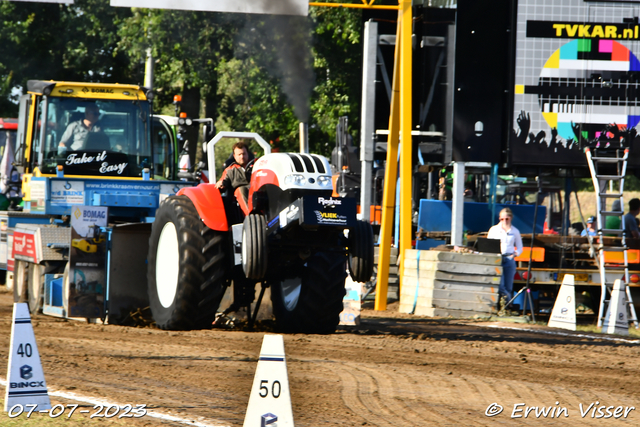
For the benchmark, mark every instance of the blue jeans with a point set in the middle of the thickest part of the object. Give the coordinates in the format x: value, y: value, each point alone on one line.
x: 508, y: 271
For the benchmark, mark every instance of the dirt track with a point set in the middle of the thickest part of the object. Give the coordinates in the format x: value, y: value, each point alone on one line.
x: 394, y: 370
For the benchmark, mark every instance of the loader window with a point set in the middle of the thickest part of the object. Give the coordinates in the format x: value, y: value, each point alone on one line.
x: 97, y: 137
x: 162, y: 150
x: 34, y: 144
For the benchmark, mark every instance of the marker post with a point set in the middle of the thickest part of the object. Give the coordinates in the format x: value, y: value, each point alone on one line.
x: 270, y: 400
x: 25, y: 378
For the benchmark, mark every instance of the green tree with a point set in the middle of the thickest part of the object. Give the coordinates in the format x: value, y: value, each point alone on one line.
x: 258, y: 93
x: 338, y: 68
x: 257, y: 73
x: 60, y: 42
x: 187, y: 47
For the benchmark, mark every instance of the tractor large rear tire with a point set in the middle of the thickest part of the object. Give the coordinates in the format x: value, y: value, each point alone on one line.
x: 361, y: 252
x: 311, y: 303
x: 187, y: 268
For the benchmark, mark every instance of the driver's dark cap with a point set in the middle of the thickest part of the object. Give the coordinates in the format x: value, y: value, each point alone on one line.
x: 591, y: 220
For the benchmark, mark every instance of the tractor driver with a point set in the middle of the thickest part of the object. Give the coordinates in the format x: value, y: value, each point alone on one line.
x: 77, y: 133
x: 238, y: 174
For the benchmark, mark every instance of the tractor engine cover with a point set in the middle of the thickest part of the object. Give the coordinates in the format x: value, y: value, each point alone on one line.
x: 278, y: 179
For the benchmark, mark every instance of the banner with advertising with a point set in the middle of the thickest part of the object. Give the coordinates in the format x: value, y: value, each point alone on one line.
x: 577, y: 80
x: 87, y: 262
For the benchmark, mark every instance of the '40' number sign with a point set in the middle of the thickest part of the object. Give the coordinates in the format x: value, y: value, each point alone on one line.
x: 25, y: 350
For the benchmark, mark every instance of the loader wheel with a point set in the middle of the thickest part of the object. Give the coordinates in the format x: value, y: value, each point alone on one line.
x: 35, y: 286
x: 20, y: 293
x: 311, y: 303
x: 66, y: 288
x: 361, y: 252
x: 187, y: 268
x: 254, y: 247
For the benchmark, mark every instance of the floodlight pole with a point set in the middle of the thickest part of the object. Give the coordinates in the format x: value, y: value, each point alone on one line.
x: 399, y: 127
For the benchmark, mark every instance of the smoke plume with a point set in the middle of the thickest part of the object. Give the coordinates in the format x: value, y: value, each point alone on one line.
x: 282, y: 45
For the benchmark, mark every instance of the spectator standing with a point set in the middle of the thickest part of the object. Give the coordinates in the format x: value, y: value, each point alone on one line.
x: 630, y: 223
x: 510, y: 247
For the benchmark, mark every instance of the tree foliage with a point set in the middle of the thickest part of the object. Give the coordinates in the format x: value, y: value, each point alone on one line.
x: 259, y: 73
x: 61, y: 42
x: 253, y: 84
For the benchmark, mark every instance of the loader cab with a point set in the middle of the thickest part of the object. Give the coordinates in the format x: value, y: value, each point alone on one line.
x: 119, y: 144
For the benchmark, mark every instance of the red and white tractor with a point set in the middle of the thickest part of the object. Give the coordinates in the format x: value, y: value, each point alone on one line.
x: 289, y: 234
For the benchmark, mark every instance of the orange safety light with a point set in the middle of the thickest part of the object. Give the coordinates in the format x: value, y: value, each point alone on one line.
x: 183, y: 115
x: 634, y: 278
x: 177, y: 98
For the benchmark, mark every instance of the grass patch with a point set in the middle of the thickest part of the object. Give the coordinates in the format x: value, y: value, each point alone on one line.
x: 633, y: 332
x: 593, y: 329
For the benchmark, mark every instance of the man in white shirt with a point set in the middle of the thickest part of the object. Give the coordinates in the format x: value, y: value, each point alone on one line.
x: 511, y: 247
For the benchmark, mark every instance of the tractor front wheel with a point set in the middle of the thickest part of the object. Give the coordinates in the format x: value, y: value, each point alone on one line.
x: 187, y: 269
x: 361, y: 252
x: 311, y: 303
x: 254, y: 247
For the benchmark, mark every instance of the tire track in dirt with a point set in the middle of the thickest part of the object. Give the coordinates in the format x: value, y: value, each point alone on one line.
x: 359, y: 395
x: 380, y: 398
x: 415, y: 391
x: 351, y: 396
x: 393, y: 396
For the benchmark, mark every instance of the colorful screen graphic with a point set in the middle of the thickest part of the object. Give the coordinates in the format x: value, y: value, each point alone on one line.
x: 577, y: 81
x: 606, y: 96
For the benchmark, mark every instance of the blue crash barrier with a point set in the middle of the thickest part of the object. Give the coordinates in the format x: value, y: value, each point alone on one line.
x: 435, y: 215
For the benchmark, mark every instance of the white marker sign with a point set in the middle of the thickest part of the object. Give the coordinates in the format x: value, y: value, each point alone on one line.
x: 564, y: 310
x: 25, y: 379
x: 274, y: 7
x: 270, y: 401
x: 616, y: 321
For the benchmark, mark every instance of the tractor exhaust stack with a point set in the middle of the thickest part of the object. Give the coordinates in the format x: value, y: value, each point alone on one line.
x: 304, y: 137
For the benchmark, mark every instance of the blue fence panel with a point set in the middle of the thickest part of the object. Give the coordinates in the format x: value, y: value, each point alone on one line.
x: 435, y: 215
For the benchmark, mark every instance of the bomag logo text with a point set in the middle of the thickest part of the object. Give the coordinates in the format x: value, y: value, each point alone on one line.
x: 94, y: 214
x: 330, y: 215
x: 97, y: 90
